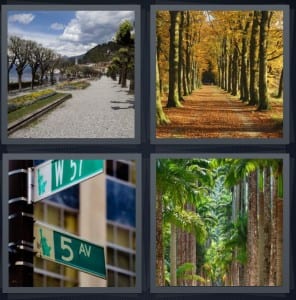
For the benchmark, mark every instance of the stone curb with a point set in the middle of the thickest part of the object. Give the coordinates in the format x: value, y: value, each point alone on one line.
x: 13, y: 126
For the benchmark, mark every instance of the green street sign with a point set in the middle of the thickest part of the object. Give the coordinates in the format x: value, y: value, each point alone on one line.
x: 69, y: 250
x: 55, y: 175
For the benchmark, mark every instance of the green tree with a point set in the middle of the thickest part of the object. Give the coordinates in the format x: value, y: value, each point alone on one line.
x: 125, y: 39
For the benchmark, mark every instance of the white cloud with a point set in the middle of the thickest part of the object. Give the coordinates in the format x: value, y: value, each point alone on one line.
x: 85, y: 31
x: 94, y: 26
x: 57, y: 26
x: 21, y: 18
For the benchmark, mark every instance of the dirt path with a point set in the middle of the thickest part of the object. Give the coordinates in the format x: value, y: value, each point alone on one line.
x: 211, y: 112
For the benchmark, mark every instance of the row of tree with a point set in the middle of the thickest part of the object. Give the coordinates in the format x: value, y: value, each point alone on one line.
x: 123, y: 63
x: 219, y: 222
x: 23, y: 53
x: 248, y: 41
x: 233, y: 49
x: 42, y: 61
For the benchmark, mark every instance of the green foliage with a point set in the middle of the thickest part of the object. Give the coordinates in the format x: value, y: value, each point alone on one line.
x: 238, y: 237
x: 199, y: 197
x: 186, y: 272
x: 70, y: 85
x: 27, y: 109
x: 123, y: 35
x: 187, y: 220
x: 28, y: 99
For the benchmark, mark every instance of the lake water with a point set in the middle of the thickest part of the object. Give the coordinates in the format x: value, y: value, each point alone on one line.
x: 27, y: 76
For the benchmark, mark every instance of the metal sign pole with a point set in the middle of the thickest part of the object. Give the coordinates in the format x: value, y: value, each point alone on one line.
x: 21, y: 221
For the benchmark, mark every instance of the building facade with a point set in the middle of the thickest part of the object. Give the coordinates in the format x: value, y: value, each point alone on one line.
x: 103, y: 211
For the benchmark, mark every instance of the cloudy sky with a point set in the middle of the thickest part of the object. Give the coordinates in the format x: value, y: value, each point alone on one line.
x: 67, y: 32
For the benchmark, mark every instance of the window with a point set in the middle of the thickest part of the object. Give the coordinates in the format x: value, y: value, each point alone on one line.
x: 121, y: 255
x: 49, y: 273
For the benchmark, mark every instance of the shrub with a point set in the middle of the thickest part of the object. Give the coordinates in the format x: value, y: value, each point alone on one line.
x: 28, y: 99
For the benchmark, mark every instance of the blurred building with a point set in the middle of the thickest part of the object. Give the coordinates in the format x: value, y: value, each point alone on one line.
x: 103, y: 211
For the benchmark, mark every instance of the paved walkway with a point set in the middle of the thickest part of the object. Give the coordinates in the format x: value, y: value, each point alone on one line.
x: 103, y: 110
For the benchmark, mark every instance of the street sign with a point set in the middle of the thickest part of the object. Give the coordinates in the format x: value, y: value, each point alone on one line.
x: 55, y: 175
x: 70, y: 250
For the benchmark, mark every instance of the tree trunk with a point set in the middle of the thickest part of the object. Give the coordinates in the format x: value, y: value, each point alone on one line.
x: 180, y: 252
x: 180, y: 60
x: 229, y: 74
x: 124, y: 75
x: 244, y: 89
x: 261, y: 245
x: 184, y: 78
x: 173, y: 256
x: 187, y: 53
x: 173, y: 98
x: 160, y: 280
x: 161, y: 118
x: 252, y: 239
x: 132, y: 85
x: 234, y: 71
x: 279, y: 242
x: 279, y: 225
x: 280, y: 90
x: 273, y: 246
x: 253, y: 60
x: 263, y: 92
x: 20, y: 74
x: 267, y: 226
x: 225, y: 63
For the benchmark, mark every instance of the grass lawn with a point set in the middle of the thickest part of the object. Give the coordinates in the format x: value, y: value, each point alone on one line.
x: 17, y: 114
x: 70, y: 85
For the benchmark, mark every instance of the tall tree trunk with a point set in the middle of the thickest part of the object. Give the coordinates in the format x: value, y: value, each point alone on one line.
x: 261, y: 245
x: 279, y: 225
x: 173, y: 98
x: 180, y: 61
x: 161, y: 118
x: 234, y: 71
x: 244, y: 89
x: 280, y: 89
x: 222, y: 69
x: 173, y: 256
x: 226, y: 63
x: 180, y: 253
x: 279, y: 242
x: 184, y: 78
x: 253, y: 57
x: 267, y: 226
x: 225, y: 45
x: 273, y: 238
x: 33, y: 79
x: 229, y: 72
x: 263, y: 92
x: 160, y: 280
x: 252, y: 239
x: 188, y: 53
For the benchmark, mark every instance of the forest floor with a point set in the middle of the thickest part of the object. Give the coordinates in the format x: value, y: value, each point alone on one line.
x: 211, y: 112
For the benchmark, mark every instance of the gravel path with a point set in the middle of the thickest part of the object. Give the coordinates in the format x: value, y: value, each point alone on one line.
x: 103, y: 110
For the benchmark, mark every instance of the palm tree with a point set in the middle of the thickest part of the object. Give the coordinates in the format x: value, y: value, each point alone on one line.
x: 177, y: 183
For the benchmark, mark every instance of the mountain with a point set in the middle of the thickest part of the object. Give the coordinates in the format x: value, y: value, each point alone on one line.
x: 100, y: 53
